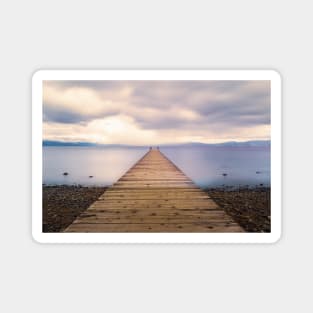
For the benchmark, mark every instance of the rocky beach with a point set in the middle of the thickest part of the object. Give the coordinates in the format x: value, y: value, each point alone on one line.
x: 250, y: 207
x: 62, y: 204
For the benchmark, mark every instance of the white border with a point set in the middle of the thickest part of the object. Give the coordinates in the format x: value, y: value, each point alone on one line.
x: 271, y: 75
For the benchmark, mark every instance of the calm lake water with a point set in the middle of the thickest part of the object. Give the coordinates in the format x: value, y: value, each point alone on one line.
x: 204, y: 165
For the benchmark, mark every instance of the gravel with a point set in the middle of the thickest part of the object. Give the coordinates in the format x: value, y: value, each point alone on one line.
x: 62, y: 204
x: 249, y: 207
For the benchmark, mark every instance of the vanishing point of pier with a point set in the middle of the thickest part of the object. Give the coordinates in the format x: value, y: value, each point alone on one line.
x: 154, y: 196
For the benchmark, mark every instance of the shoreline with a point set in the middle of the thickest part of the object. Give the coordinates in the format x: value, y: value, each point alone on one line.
x: 248, y: 206
x: 63, y: 203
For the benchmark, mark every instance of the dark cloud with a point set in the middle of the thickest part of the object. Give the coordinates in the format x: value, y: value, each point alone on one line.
x: 214, y: 104
x: 97, y: 85
x: 63, y: 116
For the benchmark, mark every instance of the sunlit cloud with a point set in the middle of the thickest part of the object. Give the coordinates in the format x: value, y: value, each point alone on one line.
x: 156, y: 112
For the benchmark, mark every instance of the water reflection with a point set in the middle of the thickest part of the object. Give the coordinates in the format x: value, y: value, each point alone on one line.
x: 204, y: 165
x: 106, y: 165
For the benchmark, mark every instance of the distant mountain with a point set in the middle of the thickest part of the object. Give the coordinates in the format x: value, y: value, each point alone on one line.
x: 52, y: 143
x: 254, y: 143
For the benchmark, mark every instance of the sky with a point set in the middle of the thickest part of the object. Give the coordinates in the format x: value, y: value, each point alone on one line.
x: 156, y: 112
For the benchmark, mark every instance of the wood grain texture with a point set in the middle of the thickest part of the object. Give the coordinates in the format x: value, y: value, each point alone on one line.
x: 154, y: 196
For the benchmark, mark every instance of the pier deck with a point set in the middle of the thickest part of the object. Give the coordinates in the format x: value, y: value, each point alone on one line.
x: 154, y: 196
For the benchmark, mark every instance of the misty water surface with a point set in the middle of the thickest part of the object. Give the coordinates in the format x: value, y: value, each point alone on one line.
x: 204, y: 165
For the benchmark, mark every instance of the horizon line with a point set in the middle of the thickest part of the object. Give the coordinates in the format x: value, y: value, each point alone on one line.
x: 60, y: 142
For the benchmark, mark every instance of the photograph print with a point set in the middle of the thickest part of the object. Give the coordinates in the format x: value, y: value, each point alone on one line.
x: 157, y: 156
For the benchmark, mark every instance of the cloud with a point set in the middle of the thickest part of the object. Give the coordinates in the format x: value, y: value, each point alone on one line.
x: 158, y: 111
x: 71, y: 103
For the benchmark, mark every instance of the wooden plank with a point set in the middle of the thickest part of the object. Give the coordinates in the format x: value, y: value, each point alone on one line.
x: 154, y: 196
x: 154, y: 228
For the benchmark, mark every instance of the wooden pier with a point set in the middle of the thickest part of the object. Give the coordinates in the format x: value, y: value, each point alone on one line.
x: 154, y: 196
